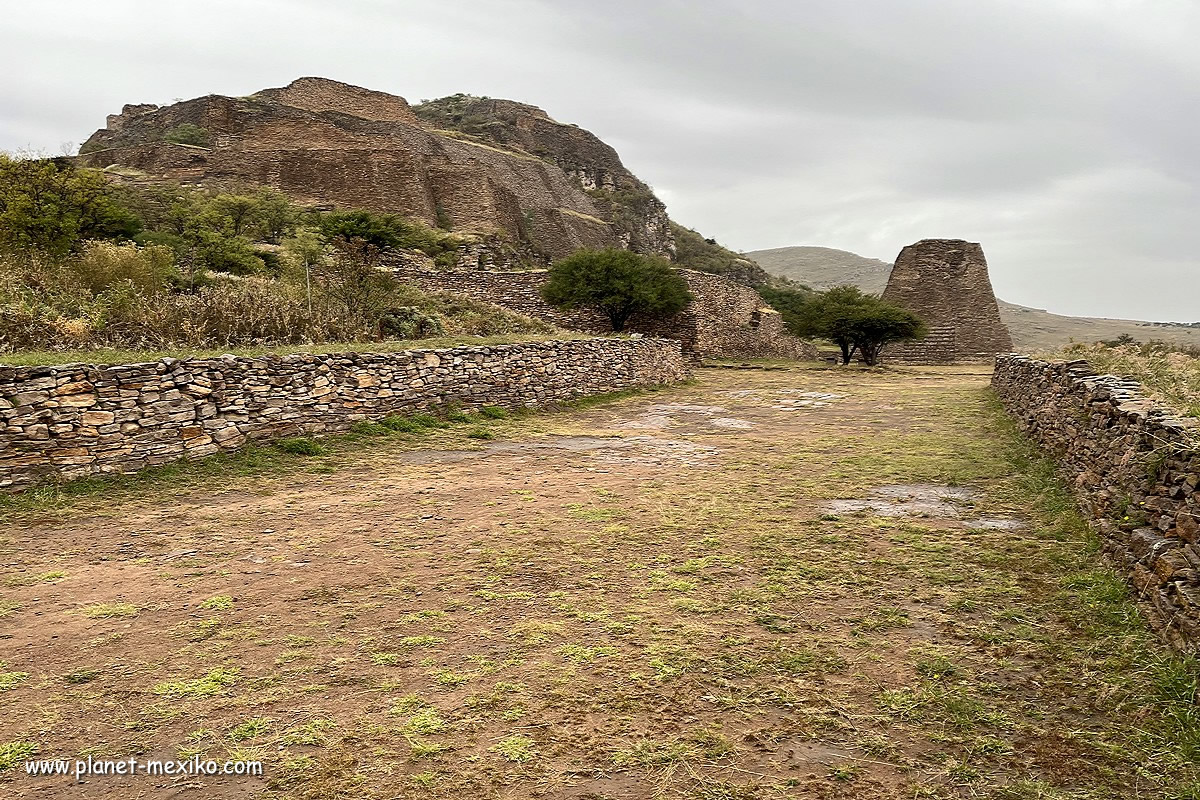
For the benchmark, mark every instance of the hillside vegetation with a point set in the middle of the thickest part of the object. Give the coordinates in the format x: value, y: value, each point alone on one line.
x: 87, y: 264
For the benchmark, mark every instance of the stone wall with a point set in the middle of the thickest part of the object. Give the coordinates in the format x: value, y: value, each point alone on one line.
x: 75, y: 420
x: 945, y: 282
x: 1136, y: 468
x: 725, y: 320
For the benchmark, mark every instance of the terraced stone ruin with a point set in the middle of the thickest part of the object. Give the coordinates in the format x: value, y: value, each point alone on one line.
x: 945, y: 282
x: 528, y: 188
x: 510, y: 169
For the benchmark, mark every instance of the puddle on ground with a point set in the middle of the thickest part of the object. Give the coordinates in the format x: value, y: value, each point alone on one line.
x: 605, y: 449
x: 910, y: 500
x: 925, y: 500
x: 660, y: 416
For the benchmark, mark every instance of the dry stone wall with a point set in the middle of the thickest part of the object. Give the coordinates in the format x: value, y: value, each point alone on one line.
x: 725, y: 320
x: 1136, y: 467
x: 75, y: 420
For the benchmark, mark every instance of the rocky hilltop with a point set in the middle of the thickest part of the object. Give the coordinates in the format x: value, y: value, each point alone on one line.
x: 463, y: 163
x: 639, y: 219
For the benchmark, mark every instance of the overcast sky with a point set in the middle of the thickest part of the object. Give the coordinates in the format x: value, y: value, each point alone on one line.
x: 1062, y: 134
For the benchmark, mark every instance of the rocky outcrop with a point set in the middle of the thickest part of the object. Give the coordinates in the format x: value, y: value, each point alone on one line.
x: 945, y: 283
x: 639, y: 218
x: 1136, y: 467
x: 75, y: 420
x: 539, y: 182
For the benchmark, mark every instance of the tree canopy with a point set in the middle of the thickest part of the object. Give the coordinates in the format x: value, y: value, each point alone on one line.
x: 854, y: 321
x: 52, y: 207
x: 618, y: 283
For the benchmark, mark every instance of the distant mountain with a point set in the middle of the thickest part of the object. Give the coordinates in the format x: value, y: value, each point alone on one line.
x: 1032, y: 329
x: 823, y: 267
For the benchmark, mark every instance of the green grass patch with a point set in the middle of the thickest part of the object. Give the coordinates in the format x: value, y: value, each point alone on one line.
x: 11, y: 680
x: 301, y: 446
x: 109, y: 610
x: 220, y: 602
x: 14, y: 753
x: 215, y: 682
x: 518, y: 749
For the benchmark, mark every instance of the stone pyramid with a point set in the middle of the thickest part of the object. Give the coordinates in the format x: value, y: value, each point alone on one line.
x: 945, y: 282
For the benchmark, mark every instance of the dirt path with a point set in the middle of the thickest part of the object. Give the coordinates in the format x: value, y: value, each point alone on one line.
x: 800, y: 583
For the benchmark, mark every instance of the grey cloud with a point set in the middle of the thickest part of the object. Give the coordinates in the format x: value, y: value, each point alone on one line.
x: 1060, y: 133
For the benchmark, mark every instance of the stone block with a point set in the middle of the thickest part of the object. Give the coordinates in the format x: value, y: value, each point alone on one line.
x: 97, y: 417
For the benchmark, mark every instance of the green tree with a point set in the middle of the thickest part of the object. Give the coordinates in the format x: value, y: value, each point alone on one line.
x: 236, y: 212
x: 792, y: 304
x: 353, y: 277
x: 274, y: 216
x: 305, y: 251
x: 855, y: 322
x: 52, y: 206
x: 187, y: 133
x: 618, y: 283
x: 385, y: 231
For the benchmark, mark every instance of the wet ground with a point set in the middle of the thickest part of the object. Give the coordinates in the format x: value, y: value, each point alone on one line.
x: 787, y: 583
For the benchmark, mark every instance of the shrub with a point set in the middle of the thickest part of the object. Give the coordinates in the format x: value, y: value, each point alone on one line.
x: 855, y: 322
x: 401, y: 424
x: 386, y: 232
x: 493, y: 412
x: 618, y: 283
x: 409, y: 322
x: 102, y: 265
x: 369, y: 428
x: 187, y: 133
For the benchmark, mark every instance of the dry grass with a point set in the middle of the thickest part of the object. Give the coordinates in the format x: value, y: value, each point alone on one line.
x: 1170, y: 377
x: 113, y: 356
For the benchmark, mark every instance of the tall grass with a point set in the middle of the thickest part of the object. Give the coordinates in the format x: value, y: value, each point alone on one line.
x: 125, y: 297
x: 1168, y: 375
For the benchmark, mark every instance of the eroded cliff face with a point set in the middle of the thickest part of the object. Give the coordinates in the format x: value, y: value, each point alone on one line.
x: 326, y: 143
x: 639, y: 218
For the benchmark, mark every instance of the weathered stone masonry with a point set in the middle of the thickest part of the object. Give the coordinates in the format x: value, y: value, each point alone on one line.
x: 1136, y: 468
x: 726, y: 319
x: 945, y: 282
x: 75, y: 420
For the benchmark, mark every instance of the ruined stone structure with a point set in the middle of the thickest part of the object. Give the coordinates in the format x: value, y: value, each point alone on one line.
x: 76, y: 420
x: 1136, y: 467
x: 945, y: 282
x: 331, y: 144
x: 725, y: 320
x: 639, y: 219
